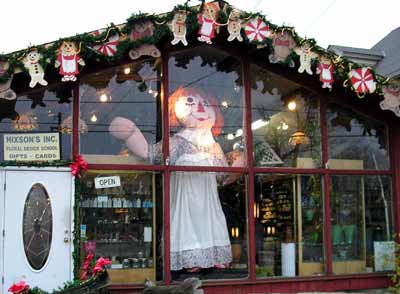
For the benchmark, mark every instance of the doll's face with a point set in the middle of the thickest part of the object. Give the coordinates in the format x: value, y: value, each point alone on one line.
x: 68, y: 47
x: 194, y: 111
x: 325, y: 59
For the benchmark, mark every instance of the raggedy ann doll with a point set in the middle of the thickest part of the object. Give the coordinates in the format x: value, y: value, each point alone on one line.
x: 199, y: 234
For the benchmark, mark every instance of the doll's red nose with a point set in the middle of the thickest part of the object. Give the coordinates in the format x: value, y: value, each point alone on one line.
x: 200, y: 108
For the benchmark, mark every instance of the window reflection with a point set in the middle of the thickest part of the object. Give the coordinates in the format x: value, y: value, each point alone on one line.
x: 285, y: 123
x: 39, y: 110
x: 206, y: 103
x: 355, y: 137
x: 115, y: 103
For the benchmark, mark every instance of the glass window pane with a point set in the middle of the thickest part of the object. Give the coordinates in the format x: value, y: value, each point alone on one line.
x: 355, y: 137
x: 288, y: 213
x: 285, y: 122
x: 121, y: 109
x: 42, y: 110
x: 206, y: 108
x: 123, y: 222
x: 361, y: 224
x: 208, y: 225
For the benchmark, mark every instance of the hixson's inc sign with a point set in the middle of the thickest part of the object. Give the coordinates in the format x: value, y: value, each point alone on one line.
x: 32, y: 147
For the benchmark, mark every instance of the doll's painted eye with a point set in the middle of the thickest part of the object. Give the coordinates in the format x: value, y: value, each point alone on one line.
x: 190, y: 101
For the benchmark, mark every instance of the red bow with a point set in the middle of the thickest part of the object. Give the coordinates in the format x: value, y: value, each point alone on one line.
x: 78, y: 165
x: 18, y: 287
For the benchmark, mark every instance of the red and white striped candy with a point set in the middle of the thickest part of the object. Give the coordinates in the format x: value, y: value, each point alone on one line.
x: 256, y: 29
x: 362, y: 80
x: 108, y: 48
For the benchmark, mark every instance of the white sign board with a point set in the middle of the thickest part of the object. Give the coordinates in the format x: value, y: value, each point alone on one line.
x: 384, y: 256
x: 32, y: 147
x: 107, y: 182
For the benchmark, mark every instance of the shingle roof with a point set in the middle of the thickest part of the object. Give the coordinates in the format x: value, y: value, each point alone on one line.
x: 390, y: 45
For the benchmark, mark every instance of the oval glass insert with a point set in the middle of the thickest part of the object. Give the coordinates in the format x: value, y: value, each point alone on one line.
x: 37, y: 226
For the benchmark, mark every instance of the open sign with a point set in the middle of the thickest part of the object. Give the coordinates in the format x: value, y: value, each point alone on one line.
x: 107, y: 182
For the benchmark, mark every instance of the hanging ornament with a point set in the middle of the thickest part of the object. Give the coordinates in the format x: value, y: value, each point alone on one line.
x: 256, y: 30
x: 391, y: 93
x: 31, y: 63
x: 362, y: 81
x: 68, y: 60
x: 108, y: 46
x: 208, y: 25
x: 234, y: 25
x: 178, y: 27
x: 306, y: 56
x: 325, y: 70
x: 5, y: 91
x: 283, y: 44
x: 139, y: 31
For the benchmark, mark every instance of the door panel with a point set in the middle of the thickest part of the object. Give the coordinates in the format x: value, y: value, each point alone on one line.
x: 2, y: 174
x: 40, y: 236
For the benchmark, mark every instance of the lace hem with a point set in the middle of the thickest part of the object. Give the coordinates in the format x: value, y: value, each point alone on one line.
x: 204, y: 258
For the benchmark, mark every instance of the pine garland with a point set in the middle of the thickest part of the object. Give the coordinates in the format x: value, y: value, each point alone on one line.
x: 162, y: 35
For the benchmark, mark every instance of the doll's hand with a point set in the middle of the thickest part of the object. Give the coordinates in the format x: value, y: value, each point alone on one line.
x: 240, y: 160
x: 122, y: 128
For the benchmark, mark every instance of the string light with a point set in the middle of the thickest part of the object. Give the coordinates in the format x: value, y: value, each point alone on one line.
x: 93, y: 118
x: 292, y: 105
x: 103, y: 97
x: 225, y: 104
x: 127, y: 70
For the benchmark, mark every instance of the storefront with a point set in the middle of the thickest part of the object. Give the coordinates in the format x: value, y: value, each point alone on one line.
x: 221, y: 161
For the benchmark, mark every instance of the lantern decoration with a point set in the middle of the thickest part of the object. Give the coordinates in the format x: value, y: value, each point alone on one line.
x: 362, y: 81
x: 256, y: 30
x: 66, y: 126
x: 299, y: 138
x: 108, y: 46
x: 25, y: 122
x: 391, y: 93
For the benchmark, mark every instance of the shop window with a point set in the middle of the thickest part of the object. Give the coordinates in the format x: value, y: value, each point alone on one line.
x: 355, y: 137
x: 206, y: 108
x: 42, y: 110
x: 208, y: 225
x: 285, y: 122
x: 121, y: 109
x: 288, y: 212
x: 121, y: 219
x: 361, y: 224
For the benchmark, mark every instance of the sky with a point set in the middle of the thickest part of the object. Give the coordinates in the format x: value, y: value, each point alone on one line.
x: 354, y: 23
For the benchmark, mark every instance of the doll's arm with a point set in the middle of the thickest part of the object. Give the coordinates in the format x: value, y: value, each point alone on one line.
x: 125, y: 129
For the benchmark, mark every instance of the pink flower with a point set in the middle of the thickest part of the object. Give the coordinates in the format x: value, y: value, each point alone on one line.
x: 18, y: 287
x: 86, y: 266
x: 100, y: 264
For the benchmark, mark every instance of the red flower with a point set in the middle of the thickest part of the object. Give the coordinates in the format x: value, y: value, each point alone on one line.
x: 100, y: 264
x: 86, y: 266
x: 18, y: 287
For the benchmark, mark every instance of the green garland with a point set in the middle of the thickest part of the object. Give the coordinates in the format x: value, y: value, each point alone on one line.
x: 162, y: 35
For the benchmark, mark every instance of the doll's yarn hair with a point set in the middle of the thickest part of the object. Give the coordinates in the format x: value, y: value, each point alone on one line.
x: 174, y: 121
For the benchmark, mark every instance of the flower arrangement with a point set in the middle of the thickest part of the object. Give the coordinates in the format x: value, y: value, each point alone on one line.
x: 96, y: 278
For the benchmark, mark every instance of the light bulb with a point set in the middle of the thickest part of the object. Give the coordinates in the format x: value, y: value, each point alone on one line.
x: 93, y: 118
x: 224, y: 104
x: 103, y: 97
x: 292, y: 105
x: 127, y: 70
x: 230, y: 136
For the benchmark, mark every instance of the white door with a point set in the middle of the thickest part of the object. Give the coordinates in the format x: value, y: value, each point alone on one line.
x: 38, y: 224
x: 2, y: 174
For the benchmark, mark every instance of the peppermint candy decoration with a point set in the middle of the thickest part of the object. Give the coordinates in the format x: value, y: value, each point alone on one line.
x: 256, y: 29
x: 362, y: 80
x: 109, y: 47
